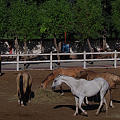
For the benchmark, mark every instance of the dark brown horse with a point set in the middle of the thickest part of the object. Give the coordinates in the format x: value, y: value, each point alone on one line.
x: 63, y: 71
x: 24, y: 84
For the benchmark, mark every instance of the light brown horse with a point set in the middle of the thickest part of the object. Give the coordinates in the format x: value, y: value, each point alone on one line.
x: 63, y: 71
x: 24, y: 84
x: 111, y: 78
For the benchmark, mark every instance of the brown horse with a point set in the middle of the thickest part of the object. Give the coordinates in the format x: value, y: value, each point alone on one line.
x: 63, y: 71
x: 111, y: 78
x: 24, y: 84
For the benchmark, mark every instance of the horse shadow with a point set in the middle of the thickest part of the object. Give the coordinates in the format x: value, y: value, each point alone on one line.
x: 73, y: 107
x: 116, y: 101
x: 94, y: 106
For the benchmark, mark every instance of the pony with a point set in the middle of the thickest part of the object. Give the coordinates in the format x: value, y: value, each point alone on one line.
x: 73, y: 72
x: 24, y: 84
x: 111, y: 78
x: 83, y: 88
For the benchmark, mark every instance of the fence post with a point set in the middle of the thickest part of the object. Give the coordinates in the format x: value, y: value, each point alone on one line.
x: 17, y: 61
x: 84, y: 59
x: 115, y: 59
x: 51, y: 60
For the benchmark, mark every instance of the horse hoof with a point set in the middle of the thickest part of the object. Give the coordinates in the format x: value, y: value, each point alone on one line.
x: 112, y: 106
x: 18, y: 101
x: 62, y: 94
x: 22, y: 105
x: 97, y: 113
x: 75, y: 114
x: 85, y: 113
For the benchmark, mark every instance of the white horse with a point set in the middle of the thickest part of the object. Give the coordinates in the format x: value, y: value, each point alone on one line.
x: 83, y: 88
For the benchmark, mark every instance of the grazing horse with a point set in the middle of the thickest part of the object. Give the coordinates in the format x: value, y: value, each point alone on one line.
x: 111, y: 78
x: 83, y: 88
x: 63, y: 71
x: 24, y: 84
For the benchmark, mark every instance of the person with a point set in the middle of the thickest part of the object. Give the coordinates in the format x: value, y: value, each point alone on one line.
x: 66, y: 49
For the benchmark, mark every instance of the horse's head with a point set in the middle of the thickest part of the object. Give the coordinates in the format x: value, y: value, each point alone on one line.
x: 116, y: 79
x: 57, y: 81
x: 49, y: 78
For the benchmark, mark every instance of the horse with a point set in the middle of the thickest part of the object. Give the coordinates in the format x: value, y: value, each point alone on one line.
x: 24, y: 84
x: 111, y: 78
x: 73, y: 72
x: 83, y: 88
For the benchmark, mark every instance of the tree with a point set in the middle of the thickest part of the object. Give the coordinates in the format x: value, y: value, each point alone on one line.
x: 89, y: 19
x: 57, y: 19
x: 23, y: 20
x: 3, y: 18
x: 116, y: 17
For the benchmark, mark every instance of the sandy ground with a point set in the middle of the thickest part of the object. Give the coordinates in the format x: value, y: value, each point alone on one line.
x: 10, y: 110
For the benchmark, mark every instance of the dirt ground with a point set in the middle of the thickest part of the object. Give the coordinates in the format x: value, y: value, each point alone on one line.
x: 10, y: 110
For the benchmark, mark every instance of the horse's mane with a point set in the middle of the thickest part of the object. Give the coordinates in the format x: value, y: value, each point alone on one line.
x: 67, y: 76
x: 112, y: 74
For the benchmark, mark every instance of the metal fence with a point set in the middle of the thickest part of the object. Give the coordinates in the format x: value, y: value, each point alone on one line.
x: 113, y: 56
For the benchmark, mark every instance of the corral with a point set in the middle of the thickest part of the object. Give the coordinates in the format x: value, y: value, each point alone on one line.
x: 46, y: 104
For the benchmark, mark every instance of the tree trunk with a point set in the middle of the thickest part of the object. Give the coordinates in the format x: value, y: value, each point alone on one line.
x: 16, y: 45
x: 57, y: 48
x: 90, y: 47
x: 104, y: 39
x: 25, y: 52
x: 104, y: 43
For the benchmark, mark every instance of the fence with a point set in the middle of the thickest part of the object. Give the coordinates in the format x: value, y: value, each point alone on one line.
x: 84, y: 59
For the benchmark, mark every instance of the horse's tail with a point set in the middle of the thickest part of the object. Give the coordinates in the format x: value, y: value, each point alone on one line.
x: 21, y: 84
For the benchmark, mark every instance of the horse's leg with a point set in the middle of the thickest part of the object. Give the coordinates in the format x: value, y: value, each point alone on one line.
x: 108, y: 98
x: 102, y: 95
x: 101, y: 103
x: 81, y: 99
x: 29, y: 94
x: 86, y: 100
x: 106, y: 105
x: 19, y: 99
x: 18, y: 94
x: 111, y: 103
x: 77, y: 105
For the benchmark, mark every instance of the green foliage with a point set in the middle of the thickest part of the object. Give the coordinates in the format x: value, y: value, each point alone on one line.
x: 57, y: 18
x: 23, y: 20
x: 116, y: 15
x: 89, y: 19
x: 3, y: 18
x: 51, y: 18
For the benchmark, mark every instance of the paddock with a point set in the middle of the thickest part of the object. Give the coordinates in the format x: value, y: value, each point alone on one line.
x: 52, y: 109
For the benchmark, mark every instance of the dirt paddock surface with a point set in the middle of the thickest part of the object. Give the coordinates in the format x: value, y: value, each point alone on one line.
x: 48, y: 105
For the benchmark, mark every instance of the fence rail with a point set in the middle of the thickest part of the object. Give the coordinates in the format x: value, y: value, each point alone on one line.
x: 84, y: 58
